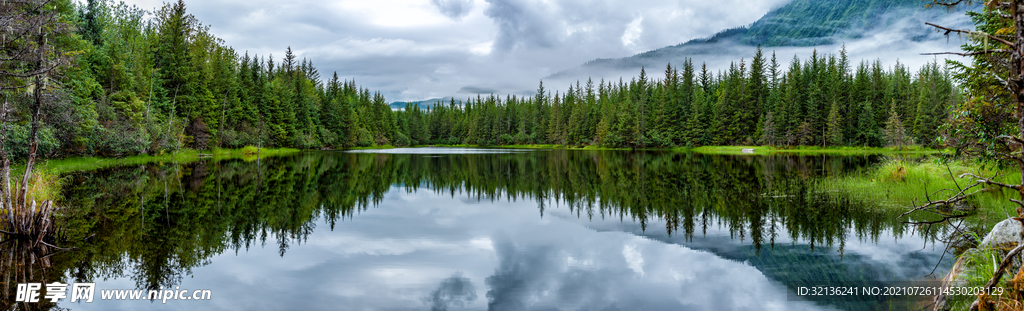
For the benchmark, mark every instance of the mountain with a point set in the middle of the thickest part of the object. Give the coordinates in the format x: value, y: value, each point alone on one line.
x: 799, y: 24
x: 424, y: 104
x: 813, y: 22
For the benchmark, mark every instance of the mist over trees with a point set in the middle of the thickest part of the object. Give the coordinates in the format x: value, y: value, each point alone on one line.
x: 152, y: 84
x: 823, y: 100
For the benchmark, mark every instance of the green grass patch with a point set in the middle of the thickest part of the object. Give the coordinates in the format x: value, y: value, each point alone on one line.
x: 44, y: 184
x: 806, y: 150
x: 903, y: 182
x: 529, y: 146
x: 976, y: 267
x: 373, y: 147
x: 61, y: 166
x: 726, y: 150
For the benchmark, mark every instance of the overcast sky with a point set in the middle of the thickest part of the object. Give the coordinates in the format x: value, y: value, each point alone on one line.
x: 419, y: 49
x: 422, y: 49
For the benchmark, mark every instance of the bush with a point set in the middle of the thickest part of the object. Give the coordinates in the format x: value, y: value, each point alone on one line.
x: 657, y: 139
x: 164, y: 139
x: 364, y: 138
x: 402, y: 140
x: 18, y: 142
x: 505, y: 139
x: 250, y: 150
x: 521, y: 138
x: 329, y: 139
x: 232, y: 139
x: 306, y: 141
x: 118, y: 140
x: 382, y: 140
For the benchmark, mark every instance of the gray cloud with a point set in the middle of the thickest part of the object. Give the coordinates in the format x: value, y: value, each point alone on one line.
x: 413, y: 49
x: 518, y: 274
x: 519, y: 26
x: 453, y: 291
x: 387, y: 257
x: 478, y: 90
x: 454, y: 9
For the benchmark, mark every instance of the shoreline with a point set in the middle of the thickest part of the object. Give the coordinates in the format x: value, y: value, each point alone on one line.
x: 86, y: 163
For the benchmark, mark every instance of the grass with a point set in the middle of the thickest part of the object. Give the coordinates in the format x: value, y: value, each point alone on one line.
x: 976, y: 268
x: 715, y: 150
x: 373, y: 147
x: 551, y: 146
x: 523, y: 146
x: 32, y: 210
x: 902, y: 181
x: 807, y: 150
x: 61, y: 166
x: 45, y: 184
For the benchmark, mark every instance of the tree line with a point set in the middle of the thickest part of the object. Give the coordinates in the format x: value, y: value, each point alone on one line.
x: 819, y: 101
x: 151, y: 85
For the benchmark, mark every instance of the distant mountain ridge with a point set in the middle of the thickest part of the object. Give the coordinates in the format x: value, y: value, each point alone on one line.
x: 800, y: 23
x: 814, y: 22
x: 424, y: 104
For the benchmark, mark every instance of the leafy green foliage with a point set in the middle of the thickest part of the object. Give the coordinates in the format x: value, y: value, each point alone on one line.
x: 156, y: 86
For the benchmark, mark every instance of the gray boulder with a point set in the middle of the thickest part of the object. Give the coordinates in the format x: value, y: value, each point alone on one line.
x: 1005, y: 234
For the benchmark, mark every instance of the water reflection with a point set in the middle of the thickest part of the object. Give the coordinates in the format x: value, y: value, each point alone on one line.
x: 26, y: 262
x: 526, y: 230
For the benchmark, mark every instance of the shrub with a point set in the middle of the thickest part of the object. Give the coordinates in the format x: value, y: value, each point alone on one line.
x: 250, y: 150
x: 402, y: 140
x: 306, y: 141
x: 521, y: 138
x: 18, y: 142
x: 329, y: 138
x: 505, y: 139
x: 365, y: 139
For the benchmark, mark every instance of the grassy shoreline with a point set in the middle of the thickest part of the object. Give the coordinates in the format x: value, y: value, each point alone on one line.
x: 188, y: 155
x: 711, y: 150
x: 76, y: 164
x: 807, y: 150
x: 904, y: 181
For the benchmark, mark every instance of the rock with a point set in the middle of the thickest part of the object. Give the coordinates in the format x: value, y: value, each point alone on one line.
x: 955, y: 277
x: 1005, y: 234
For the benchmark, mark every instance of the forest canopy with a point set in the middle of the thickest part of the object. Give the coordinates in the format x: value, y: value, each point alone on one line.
x: 152, y: 83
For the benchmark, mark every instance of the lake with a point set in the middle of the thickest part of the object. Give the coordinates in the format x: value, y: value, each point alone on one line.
x: 481, y: 229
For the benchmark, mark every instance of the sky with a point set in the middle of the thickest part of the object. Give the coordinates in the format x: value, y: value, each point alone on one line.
x: 415, y: 250
x: 421, y: 49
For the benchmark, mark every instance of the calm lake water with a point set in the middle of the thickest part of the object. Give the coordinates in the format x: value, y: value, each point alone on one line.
x: 476, y: 229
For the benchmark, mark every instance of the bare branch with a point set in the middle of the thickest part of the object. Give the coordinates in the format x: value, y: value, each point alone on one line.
x: 968, y: 32
x: 989, y: 181
x: 948, y: 4
x: 971, y: 53
x: 960, y: 196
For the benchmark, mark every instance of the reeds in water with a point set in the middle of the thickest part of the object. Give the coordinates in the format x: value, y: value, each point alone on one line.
x: 25, y: 218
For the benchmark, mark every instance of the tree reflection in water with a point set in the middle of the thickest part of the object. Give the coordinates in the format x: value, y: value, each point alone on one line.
x: 155, y: 223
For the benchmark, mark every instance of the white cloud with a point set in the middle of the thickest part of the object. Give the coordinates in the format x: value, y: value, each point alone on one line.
x: 419, y: 49
x: 631, y: 36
